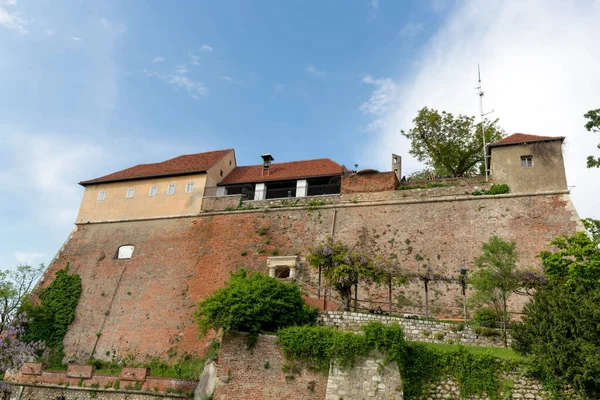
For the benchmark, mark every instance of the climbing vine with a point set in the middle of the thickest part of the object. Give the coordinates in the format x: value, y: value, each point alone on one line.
x: 316, y: 347
x: 50, y: 319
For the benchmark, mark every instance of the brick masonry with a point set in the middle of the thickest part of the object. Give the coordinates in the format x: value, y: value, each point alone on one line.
x: 414, y: 330
x: 144, y: 306
x: 257, y: 374
x: 365, y: 183
x: 52, y: 393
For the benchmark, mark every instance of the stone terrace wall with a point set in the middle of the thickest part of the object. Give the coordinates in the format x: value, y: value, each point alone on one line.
x: 368, y: 379
x: 523, y: 388
x: 258, y: 375
x: 376, y: 182
x: 145, y: 305
x: 414, y: 330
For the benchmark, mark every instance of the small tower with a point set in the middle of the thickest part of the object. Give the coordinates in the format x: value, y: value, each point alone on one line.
x: 397, y: 166
x: 267, y: 158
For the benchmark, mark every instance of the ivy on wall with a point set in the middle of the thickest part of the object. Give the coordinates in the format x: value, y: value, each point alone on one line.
x: 49, y: 320
x: 316, y: 347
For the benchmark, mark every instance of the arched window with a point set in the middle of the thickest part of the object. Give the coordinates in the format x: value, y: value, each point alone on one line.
x: 125, y: 251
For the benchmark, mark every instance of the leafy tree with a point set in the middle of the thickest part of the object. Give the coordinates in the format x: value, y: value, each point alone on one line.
x: 559, y: 330
x: 253, y: 303
x: 50, y: 319
x: 450, y: 145
x: 593, y: 125
x: 342, y: 268
x: 495, y: 278
x: 15, y: 288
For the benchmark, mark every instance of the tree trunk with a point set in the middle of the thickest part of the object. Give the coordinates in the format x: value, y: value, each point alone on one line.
x: 346, y: 295
x: 426, y: 299
x: 356, y: 297
x: 504, y: 321
x: 390, y: 293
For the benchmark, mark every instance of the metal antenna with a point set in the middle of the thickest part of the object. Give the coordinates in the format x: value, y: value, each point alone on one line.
x: 480, y: 93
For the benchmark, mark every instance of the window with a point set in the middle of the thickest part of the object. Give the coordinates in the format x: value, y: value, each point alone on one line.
x: 221, y: 173
x: 125, y: 251
x: 526, y: 161
x: 101, y: 195
x: 189, y: 187
x: 153, y: 190
x: 171, y: 189
x: 130, y: 192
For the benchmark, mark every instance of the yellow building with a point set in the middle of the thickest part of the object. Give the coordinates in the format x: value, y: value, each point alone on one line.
x: 170, y: 188
x: 528, y: 163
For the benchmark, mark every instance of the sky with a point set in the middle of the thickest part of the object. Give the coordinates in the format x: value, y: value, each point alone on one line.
x: 88, y: 88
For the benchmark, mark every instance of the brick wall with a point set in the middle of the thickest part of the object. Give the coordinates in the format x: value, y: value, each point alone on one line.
x: 375, y: 182
x: 144, y: 306
x: 257, y: 374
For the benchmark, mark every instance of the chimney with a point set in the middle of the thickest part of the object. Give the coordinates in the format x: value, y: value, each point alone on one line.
x: 397, y: 166
x: 267, y: 158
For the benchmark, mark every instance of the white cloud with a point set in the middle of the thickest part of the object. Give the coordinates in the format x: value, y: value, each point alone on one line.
x: 49, y: 32
x: 194, y: 88
x: 226, y: 78
x: 278, y: 87
x: 313, y: 71
x: 373, y: 5
x: 116, y: 28
x: 76, y: 38
x: 206, y: 48
x: 181, y: 69
x: 12, y: 21
x: 539, y: 78
x: 158, y: 59
x: 383, y: 97
x: 412, y: 29
x: 195, y: 59
x: 27, y: 258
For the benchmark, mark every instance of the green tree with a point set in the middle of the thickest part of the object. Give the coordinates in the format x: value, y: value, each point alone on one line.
x: 593, y: 125
x: 253, y: 303
x: 495, y: 278
x: 559, y: 330
x: 342, y: 268
x: 15, y: 288
x: 450, y: 145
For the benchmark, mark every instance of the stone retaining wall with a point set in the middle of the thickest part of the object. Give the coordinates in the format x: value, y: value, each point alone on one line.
x: 414, y: 330
x: 523, y: 388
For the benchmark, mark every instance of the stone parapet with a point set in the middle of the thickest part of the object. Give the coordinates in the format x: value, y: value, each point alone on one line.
x: 414, y: 329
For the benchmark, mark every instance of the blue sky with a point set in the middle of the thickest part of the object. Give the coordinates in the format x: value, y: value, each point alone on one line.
x: 88, y: 88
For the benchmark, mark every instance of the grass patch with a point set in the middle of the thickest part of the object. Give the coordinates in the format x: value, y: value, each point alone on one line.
x: 498, y: 352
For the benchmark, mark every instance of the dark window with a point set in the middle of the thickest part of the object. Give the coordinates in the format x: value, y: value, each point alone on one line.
x: 526, y: 161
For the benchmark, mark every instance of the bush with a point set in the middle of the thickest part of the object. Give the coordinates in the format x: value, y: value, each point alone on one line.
x: 487, y: 332
x: 495, y: 189
x: 254, y: 303
x: 486, y: 317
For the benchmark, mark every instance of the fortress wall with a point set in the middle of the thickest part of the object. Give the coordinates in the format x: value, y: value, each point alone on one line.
x: 145, y: 305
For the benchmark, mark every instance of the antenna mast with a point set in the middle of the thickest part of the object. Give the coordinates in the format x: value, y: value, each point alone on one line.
x: 480, y: 93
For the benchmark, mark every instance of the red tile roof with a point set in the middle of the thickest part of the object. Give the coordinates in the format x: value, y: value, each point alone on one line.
x: 182, y: 165
x: 282, y: 171
x: 517, y: 138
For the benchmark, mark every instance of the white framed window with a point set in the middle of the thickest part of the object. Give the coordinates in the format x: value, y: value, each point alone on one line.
x: 130, y: 193
x: 101, y: 195
x: 125, y: 251
x: 153, y: 191
x: 189, y: 187
x: 526, y: 161
x: 171, y: 189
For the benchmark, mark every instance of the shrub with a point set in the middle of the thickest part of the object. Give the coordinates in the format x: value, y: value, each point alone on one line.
x: 486, y: 317
x: 487, y: 332
x: 495, y: 189
x: 253, y: 303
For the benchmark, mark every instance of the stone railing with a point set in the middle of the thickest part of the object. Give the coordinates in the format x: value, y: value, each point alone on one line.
x: 414, y: 329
